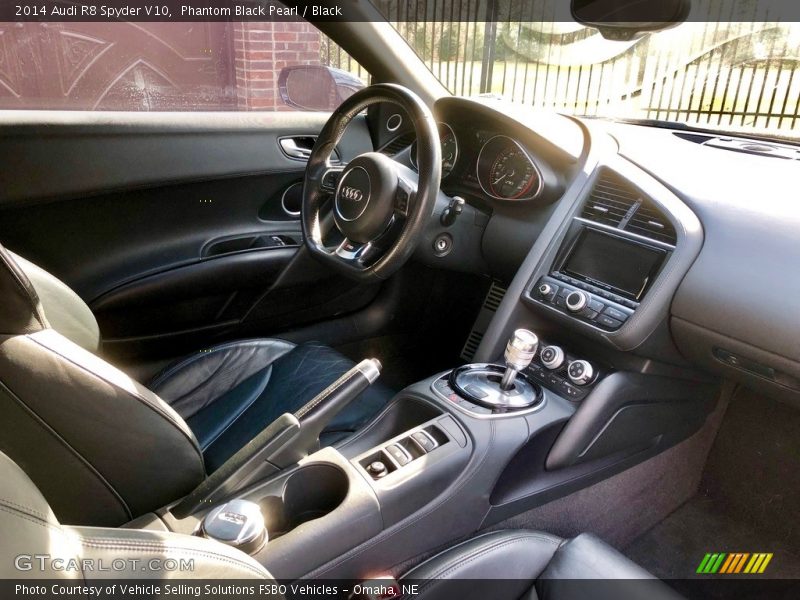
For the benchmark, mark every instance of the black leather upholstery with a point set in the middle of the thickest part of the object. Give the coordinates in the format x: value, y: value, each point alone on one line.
x: 230, y: 392
x: 512, y: 564
x: 21, y: 311
x: 103, y: 448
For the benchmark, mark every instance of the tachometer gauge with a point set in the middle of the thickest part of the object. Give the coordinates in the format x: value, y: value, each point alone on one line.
x: 506, y: 172
x: 449, y: 143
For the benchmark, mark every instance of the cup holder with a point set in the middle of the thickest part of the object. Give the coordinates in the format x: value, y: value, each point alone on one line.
x: 310, y: 493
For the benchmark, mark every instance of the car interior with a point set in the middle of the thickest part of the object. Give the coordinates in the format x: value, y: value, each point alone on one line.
x: 421, y: 337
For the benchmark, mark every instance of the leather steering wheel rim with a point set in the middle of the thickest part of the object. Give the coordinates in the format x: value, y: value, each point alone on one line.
x: 421, y: 201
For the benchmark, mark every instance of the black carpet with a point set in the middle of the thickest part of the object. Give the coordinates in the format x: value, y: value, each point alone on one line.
x: 748, y: 499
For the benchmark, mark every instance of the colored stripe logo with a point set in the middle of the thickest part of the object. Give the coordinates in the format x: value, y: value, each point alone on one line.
x: 734, y: 563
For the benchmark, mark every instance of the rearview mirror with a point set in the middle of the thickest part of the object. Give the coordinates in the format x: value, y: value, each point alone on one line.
x: 315, y: 87
x: 625, y: 19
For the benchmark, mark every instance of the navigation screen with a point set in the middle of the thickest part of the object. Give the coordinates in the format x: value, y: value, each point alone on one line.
x: 625, y: 266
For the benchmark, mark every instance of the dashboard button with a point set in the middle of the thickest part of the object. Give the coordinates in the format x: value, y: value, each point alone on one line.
x: 596, y: 305
x: 577, y: 300
x: 560, y: 301
x: 615, y: 313
x: 607, y: 321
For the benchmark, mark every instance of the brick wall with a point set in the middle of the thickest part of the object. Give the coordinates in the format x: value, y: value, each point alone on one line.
x: 261, y: 50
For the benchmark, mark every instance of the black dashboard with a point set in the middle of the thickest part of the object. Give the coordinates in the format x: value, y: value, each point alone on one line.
x: 632, y: 238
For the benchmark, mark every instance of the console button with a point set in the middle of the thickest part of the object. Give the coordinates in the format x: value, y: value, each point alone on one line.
x: 564, y: 292
x: 552, y: 357
x: 377, y: 469
x: 400, y: 456
x: 475, y: 391
x: 615, y: 313
x: 424, y: 441
x: 580, y: 372
x: 570, y: 391
x: 607, y: 321
x: 596, y: 305
x: 577, y: 300
x: 588, y: 313
x: 560, y: 301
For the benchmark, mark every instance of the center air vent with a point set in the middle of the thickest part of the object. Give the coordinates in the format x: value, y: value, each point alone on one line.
x: 616, y: 203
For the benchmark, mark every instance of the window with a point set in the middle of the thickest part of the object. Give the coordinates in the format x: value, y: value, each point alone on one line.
x: 726, y: 69
x: 162, y: 66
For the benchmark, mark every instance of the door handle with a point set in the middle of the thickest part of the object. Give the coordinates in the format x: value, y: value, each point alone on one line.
x: 292, y: 149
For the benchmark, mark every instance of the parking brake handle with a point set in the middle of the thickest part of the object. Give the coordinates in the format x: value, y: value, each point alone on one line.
x: 315, y: 415
x: 284, y: 442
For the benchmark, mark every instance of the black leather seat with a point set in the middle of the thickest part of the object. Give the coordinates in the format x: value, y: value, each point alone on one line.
x: 530, y: 565
x: 105, y: 449
x: 227, y: 394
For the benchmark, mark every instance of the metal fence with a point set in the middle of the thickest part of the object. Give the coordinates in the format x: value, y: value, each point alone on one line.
x: 726, y: 72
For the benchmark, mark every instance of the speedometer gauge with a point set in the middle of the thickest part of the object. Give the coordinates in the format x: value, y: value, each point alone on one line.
x: 506, y: 172
x: 449, y: 143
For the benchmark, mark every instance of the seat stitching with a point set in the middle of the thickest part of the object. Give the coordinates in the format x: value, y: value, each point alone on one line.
x: 159, y: 379
x: 31, y: 297
x: 321, y: 397
x: 22, y: 507
x: 135, y: 395
x: 244, y: 409
x: 154, y: 546
x: 33, y: 519
x: 462, y: 561
x: 488, y: 536
x: 88, y: 465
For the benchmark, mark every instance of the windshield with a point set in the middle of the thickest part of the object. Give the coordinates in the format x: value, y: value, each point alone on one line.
x: 734, y: 76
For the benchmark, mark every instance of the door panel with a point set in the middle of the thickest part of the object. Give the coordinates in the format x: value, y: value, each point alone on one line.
x: 173, y: 230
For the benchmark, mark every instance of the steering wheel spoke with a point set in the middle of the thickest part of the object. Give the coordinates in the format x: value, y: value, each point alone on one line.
x: 404, y: 196
x: 330, y: 178
x: 351, y: 251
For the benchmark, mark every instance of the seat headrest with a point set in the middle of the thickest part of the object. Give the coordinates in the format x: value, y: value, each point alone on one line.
x: 21, y: 310
x: 32, y: 299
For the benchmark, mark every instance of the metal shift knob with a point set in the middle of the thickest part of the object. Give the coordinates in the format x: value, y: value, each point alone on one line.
x: 520, y: 350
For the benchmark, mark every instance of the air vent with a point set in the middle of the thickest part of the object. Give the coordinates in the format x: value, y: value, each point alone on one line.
x: 494, y: 297
x: 651, y: 223
x: 398, y: 144
x: 611, y: 201
x: 616, y: 203
x: 490, y: 304
x: 471, y: 346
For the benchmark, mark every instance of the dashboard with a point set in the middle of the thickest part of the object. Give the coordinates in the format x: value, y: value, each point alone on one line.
x: 630, y: 238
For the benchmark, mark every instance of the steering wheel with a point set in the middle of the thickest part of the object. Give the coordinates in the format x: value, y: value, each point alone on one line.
x: 365, y: 218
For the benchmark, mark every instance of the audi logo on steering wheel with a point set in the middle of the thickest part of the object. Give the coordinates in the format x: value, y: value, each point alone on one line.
x: 352, y: 193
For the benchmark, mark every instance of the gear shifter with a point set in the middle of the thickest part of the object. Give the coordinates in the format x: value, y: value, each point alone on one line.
x: 520, y: 351
x: 501, y: 389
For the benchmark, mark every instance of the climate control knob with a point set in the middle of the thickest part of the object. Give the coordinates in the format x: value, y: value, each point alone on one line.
x: 580, y: 372
x: 552, y: 357
x: 576, y: 301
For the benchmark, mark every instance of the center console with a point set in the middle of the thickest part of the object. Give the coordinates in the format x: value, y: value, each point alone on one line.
x: 553, y: 402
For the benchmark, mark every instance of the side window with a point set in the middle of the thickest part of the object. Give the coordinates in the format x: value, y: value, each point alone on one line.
x: 198, y: 66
